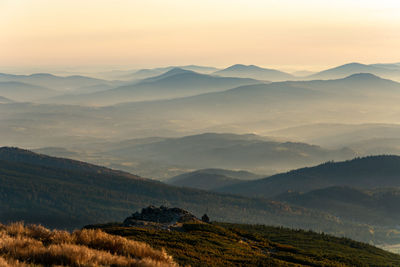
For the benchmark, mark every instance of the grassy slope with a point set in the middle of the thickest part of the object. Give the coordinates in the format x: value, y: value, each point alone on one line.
x: 34, y: 245
x: 223, y: 244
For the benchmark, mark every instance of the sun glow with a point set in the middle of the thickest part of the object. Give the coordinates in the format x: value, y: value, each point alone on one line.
x: 308, y: 33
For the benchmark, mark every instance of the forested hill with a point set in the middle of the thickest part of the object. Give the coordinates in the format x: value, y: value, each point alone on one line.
x: 365, y: 173
x: 64, y: 193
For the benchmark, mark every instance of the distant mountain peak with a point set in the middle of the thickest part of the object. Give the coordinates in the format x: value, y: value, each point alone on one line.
x: 42, y: 75
x: 254, y: 72
x: 176, y: 70
x: 363, y: 76
x: 243, y: 67
x: 353, y: 64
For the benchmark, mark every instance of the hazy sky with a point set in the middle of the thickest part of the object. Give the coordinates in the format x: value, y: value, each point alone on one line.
x: 309, y: 34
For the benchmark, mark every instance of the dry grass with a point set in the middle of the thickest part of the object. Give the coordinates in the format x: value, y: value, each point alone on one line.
x: 34, y: 245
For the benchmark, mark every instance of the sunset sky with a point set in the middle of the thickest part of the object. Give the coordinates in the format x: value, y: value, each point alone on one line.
x: 309, y: 34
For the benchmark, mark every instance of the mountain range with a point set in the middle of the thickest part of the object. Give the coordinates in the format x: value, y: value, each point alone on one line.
x: 64, y: 193
x: 172, y: 84
x: 261, y: 109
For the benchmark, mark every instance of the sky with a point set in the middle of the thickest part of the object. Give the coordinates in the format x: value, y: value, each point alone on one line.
x: 296, y: 35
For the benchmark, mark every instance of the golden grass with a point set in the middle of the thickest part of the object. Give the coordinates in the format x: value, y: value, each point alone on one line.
x: 34, y: 245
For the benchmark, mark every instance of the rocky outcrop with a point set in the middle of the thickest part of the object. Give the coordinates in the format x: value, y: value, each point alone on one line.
x: 162, y: 217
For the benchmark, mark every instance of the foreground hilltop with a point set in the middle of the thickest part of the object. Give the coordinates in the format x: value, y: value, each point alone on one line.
x: 196, y: 243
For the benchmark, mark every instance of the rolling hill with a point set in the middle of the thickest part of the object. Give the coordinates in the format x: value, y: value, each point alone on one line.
x: 53, y: 82
x: 363, y: 173
x: 20, y: 91
x: 208, y: 179
x: 212, y: 150
x: 254, y: 72
x: 4, y: 100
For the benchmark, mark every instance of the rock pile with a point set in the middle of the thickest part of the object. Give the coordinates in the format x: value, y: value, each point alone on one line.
x: 161, y: 217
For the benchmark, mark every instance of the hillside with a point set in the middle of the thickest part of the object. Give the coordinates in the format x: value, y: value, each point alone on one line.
x: 254, y: 72
x: 374, y: 207
x: 68, y: 194
x: 365, y: 173
x: 209, y: 179
x: 222, y: 244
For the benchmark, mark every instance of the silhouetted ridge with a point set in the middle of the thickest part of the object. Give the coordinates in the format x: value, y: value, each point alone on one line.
x: 243, y: 67
x: 17, y: 155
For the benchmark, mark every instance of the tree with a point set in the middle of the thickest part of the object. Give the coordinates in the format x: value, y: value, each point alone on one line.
x: 205, y: 218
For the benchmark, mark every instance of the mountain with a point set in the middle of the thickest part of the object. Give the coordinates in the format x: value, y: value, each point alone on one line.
x: 147, y: 73
x: 208, y: 179
x: 254, y: 72
x: 374, y: 207
x: 359, y: 84
x: 19, y: 91
x: 64, y: 193
x: 174, y: 83
x: 4, y: 100
x: 363, y: 173
x: 212, y: 150
x: 57, y: 83
x: 353, y: 68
